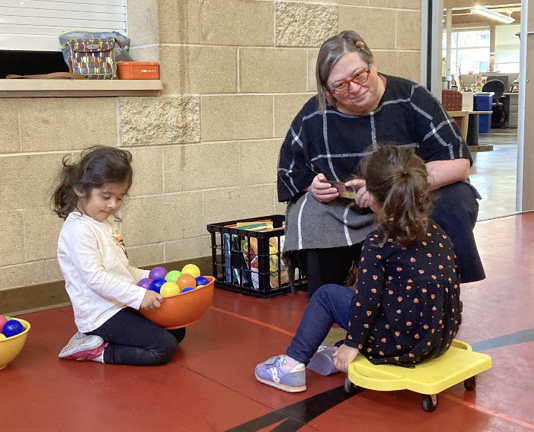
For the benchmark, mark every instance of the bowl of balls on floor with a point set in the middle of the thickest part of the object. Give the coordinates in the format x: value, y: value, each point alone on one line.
x: 187, y: 295
x: 13, y: 334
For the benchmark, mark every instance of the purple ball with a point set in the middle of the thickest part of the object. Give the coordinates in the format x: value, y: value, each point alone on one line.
x: 157, y: 272
x: 145, y: 283
x: 156, y: 284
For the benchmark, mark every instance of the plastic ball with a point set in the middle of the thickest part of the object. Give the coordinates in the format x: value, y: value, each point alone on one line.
x: 191, y: 269
x: 169, y: 289
x: 156, y: 284
x: 3, y: 320
x: 12, y: 328
x: 145, y: 283
x: 186, y: 281
x: 201, y: 280
x: 173, y: 276
x: 2, y: 337
x: 187, y: 290
x: 157, y: 272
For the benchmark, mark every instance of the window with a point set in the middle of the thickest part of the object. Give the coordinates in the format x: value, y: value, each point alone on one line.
x: 470, y: 50
x: 29, y: 30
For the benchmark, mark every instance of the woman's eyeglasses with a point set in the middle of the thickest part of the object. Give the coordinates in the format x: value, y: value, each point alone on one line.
x: 359, y: 77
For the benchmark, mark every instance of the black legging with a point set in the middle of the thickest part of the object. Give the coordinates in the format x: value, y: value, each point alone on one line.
x: 134, y: 340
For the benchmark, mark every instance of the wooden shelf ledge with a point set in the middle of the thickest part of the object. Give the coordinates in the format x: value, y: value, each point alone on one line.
x: 41, y: 88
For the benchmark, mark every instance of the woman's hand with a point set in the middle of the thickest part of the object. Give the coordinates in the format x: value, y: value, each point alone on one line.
x: 151, y: 300
x: 361, y: 192
x: 323, y: 192
x: 344, y: 356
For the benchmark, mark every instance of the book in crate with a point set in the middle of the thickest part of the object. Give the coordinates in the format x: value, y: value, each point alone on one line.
x: 246, y: 256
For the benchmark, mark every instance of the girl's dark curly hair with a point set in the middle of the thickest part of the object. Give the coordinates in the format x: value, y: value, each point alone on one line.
x: 398, y: 179
x: 97, y: 166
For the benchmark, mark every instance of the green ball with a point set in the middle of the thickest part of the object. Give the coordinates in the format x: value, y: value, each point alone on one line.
x: 173, y: 276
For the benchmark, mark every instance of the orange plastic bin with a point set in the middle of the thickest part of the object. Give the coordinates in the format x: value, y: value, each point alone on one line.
x: 138, y: 70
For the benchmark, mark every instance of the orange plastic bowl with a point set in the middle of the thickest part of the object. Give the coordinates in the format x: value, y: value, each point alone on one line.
x: 182, y: 310
x: 12, y: 346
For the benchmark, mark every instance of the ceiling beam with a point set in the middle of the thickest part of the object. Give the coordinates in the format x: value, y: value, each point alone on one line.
x: 447, y: 4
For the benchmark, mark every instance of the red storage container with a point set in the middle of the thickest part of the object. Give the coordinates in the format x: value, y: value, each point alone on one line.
x: 138, y: 70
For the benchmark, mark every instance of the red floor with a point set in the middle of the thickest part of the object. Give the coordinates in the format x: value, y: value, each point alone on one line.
x: 210, y: 385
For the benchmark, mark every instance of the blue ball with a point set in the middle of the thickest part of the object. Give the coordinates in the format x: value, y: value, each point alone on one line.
x: 12, y: 328
x: 156, y: 284
x: 201, y: 280
x: 187, y: 290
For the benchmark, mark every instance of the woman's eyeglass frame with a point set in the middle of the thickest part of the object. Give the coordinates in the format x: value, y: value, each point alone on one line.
x: 364, y: 74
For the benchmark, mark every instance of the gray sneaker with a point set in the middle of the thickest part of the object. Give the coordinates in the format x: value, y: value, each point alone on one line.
x: 322, y: 362
x: 270, y: 372
x: 80, y: 342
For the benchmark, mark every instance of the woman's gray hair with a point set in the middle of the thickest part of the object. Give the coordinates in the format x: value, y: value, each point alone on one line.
x: 331, y: 51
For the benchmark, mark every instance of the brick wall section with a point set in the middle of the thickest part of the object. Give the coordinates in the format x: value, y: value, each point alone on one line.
x: 235, y: 72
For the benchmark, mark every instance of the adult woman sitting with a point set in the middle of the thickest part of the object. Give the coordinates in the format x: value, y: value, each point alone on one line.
x: 355, y: 109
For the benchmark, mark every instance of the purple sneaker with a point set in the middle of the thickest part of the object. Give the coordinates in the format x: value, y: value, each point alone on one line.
x: 322, y: 362
x: 270, y: 372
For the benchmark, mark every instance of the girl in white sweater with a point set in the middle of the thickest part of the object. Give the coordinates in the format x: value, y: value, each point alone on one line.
x: 99, y: 280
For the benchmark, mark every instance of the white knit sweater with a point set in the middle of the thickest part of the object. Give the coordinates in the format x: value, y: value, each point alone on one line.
x: 98, y: 277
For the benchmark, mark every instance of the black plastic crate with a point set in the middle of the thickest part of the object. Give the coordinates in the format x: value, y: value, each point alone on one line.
x: 249, y: 262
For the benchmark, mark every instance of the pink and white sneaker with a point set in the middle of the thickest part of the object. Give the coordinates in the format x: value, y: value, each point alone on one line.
x: 83, y: 347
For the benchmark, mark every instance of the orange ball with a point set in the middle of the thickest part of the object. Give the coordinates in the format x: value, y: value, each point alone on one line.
x: 186, y: 281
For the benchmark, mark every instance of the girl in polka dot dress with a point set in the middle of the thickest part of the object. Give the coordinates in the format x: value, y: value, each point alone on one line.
x: 406, y: 305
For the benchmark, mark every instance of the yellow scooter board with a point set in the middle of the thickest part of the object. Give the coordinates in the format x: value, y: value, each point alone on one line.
x: 459, y: 363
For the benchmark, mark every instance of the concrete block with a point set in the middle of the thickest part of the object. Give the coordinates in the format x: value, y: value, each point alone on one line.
x: 34, y: 273
x: 408, y: 30
x: 375, y: 26
x: 286, y: 107
x: 211, y: 165
x: 156, y: 121
x: 56, y: 124
x: 305, y: 24
x: 179, y: 21
x: 157, y: 219
x: 28, y: 180
x: 268, y: 70
x: 222, y: 205
x: 405, y: 64
x: 10, y: 126
x: 147, y: 165
x: 236, y: 117
x: 237, y: 22
x: 143, y: 22
x: 398, y: 4
x: 198, y: 69
x: 144, y: 256
x: 259, y: 161
x: 11, y: 238
x: 41, y: 232
x: 188, y: 248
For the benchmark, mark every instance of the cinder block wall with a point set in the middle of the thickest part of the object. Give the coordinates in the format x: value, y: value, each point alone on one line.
x: 235, y: 72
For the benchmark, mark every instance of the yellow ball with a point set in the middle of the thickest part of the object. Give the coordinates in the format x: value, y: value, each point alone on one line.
x: 169, y: 289
x: 191, y: 269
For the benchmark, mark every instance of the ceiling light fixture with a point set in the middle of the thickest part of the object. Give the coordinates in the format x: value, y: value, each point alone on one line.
x: 492, y: 14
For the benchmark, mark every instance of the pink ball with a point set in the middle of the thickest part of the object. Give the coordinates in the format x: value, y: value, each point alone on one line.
x: 3, y: 320
x: 157, y: 272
